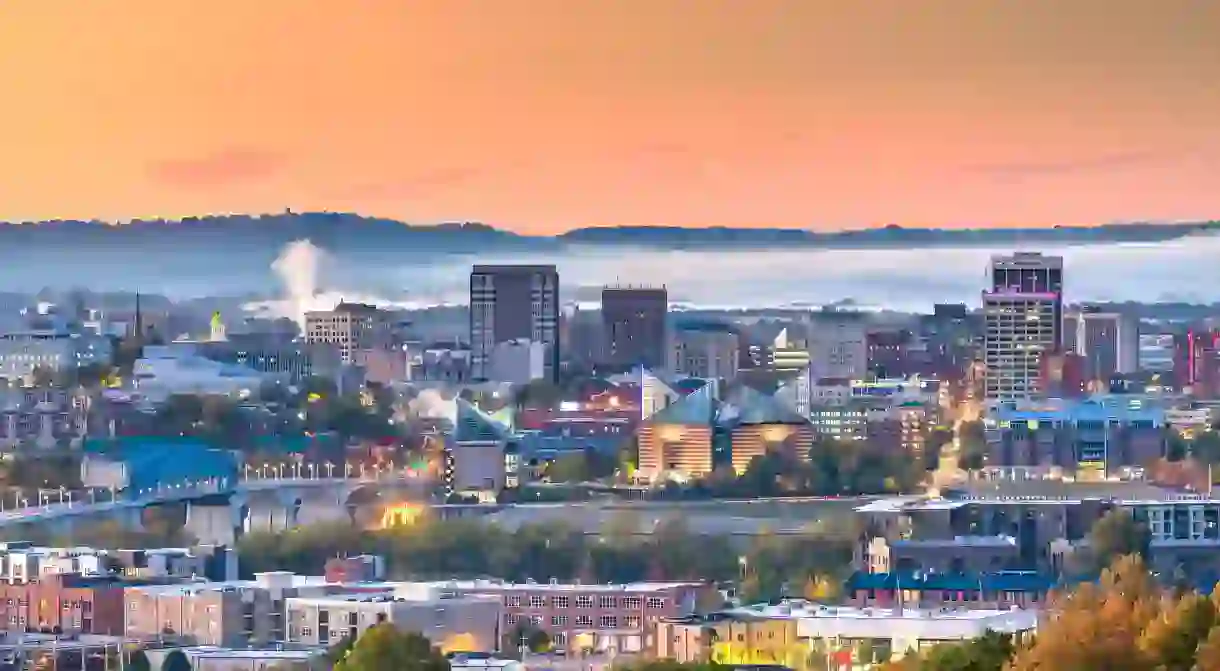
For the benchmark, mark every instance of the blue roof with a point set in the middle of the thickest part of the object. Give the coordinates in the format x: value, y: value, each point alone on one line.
x: 1097, y: 409
x: 698, y: 408
x: 1000, y: 581
x: 472, y: 425
x: 152, y: 461
x: 755, y: 407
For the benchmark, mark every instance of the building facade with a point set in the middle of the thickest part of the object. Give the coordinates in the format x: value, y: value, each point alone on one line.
x: 634, y: 327
x: 709, y: 350
x: 513, y: 302
x: 1108, y: 343
x: 838, y: 345
x: 1023, y: 313
x: 351, y: 327
x: 1091, y: 439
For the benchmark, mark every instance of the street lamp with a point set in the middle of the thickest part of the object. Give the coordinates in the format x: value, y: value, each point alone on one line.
x: 313, y: 471
x: 330, y: 468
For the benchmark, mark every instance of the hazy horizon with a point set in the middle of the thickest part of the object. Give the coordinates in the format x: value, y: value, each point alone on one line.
x: 1183, y: 269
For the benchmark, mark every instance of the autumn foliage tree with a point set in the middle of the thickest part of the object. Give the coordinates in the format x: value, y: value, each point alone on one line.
x: 1126, y: 621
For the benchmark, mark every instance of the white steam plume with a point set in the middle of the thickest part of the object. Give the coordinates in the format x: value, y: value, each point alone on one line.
x: 297, y: 267
x: 431, y: 404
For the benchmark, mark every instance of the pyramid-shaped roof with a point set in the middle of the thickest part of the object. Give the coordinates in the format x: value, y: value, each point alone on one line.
x: 471, y: 425
x: 751, y: 406
x: 698, y: 408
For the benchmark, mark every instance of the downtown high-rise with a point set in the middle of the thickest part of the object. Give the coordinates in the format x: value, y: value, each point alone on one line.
x: 1023, y: 315
x: 513, y: 303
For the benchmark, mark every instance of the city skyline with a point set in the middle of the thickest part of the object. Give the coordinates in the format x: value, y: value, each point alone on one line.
x: 540, y: 116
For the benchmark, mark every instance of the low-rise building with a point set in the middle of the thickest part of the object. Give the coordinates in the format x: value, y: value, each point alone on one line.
x: 64, y: 603
x: 600, y: 618
x: 22, y: 562
x: 786, y: 633
x: 1093, y: 439
x: 23, y: 352
x: 215, y: 658
x: 239, y: 613
x: 456, y: 623
x: 999, y: 589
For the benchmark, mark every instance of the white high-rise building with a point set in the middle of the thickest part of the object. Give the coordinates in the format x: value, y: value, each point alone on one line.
x: 1023, y: 311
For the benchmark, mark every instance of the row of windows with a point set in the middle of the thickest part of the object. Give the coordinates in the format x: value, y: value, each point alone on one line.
x: 585, y: 601
x: 604, y: 622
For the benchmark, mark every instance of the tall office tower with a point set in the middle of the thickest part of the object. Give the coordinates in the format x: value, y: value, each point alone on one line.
x: 1023, y: 313
x: 1108, y: 342
x: 513, y: 303
x: 633, y: 327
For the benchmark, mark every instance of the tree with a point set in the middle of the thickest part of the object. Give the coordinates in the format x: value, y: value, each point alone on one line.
x: 972, y: 441
x: 538, y: 394
x: 340, y: 650
x: 1116, y: 534
x: 1098, y: 625
x: 176, y: 660
x: 137, y: 661
x: 990, y: 652
x: 533, y: 638
x: 569, y: 468
x: 385, y: 648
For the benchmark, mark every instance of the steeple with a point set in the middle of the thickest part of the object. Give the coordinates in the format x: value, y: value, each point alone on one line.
x: 139, y: 328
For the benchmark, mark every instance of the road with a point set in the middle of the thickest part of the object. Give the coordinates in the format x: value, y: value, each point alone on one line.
x: 948, y: 470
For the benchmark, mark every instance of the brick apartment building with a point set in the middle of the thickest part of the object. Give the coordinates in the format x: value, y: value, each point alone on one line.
x: 597, y: 617
x: 64, y: 602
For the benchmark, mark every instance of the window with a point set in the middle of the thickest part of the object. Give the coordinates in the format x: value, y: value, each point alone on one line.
x: 537, y: 601
x: 607, y: 602
x: 584, y: 621
x: 306, y: 632
x: 632, y: 602
x: 608, y: 622
x: 561, y: 601
x: 559, y: 620
x: 631, y: 622
x: 536, y: 620
x: 510, y: 619
x: 584, y: 601
x: 512, y: 600
x: 560, y: 639
x: 656, y: 602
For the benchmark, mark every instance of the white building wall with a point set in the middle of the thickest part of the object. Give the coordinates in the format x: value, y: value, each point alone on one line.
x: 517, y: 361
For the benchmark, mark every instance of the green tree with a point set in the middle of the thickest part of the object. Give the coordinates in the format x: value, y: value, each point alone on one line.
x: 176, y: 660
x: 385, y: 648
x: 1206, y: 447
x: 340, y: 650
x: 537, y: 394
x: 137, y: 661
x: 1115, y: 535
x: 572, y: 467
x: 990, y: 652
x: 533, y: 638
x: 972, y: 439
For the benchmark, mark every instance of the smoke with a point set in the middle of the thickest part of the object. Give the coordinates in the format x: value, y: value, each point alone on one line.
x: 430, y: 404
x: 297, y: 267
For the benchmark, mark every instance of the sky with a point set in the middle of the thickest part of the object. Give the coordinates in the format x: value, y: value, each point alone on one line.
x: 545, y: 115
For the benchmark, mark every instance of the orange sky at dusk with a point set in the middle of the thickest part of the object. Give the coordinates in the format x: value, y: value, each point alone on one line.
x: 543, y: 115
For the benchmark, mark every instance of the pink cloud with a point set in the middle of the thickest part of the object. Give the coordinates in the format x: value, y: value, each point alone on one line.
x: 221, y: 168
